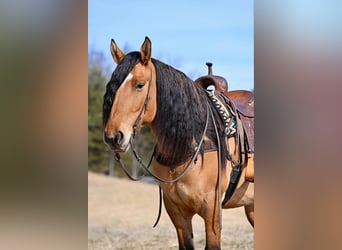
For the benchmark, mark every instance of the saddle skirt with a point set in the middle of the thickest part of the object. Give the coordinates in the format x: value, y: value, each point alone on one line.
x: 244, y: 102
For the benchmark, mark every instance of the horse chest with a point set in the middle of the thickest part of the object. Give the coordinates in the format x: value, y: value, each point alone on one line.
x: 183, y: 194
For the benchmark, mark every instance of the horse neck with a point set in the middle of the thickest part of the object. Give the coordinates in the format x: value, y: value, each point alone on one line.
x: 180, y: 114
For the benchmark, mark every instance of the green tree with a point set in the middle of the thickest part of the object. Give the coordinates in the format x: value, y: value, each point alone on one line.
x: 98, y: 156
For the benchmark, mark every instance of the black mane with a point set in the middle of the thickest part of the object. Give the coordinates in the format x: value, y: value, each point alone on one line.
x: 181, y: 115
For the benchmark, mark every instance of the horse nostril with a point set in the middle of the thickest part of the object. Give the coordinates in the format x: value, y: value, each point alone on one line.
x: 119, y: 137
x: 107, y: 139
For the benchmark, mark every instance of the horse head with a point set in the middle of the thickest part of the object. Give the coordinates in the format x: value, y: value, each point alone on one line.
x: 130, y: 98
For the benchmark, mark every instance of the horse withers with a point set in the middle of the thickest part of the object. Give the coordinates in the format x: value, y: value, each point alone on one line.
x: 193, y: 158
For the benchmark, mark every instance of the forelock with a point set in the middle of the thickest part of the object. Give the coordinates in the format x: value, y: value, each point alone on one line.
x: 120, y: 73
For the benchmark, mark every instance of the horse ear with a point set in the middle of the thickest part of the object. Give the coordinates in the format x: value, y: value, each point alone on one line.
x: 145, y: 51
x: 117, y: 54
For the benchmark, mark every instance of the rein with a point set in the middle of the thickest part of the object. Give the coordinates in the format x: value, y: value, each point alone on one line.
x: 146, y: 167
x: 187, y: 168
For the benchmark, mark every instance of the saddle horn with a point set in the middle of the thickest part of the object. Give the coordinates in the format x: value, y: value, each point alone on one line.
x: 210, y: 69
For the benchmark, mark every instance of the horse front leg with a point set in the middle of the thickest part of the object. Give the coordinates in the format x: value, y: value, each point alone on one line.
x: 213, y: 234
x: 182, y: 220
x: 210, y: 214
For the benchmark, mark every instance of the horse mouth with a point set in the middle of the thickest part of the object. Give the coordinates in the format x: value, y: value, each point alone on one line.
x: 121, y: 148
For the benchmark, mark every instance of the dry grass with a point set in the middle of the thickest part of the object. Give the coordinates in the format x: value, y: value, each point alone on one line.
x: 121, y: 214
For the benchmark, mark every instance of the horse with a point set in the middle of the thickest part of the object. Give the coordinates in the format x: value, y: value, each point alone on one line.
x: 193, y: 176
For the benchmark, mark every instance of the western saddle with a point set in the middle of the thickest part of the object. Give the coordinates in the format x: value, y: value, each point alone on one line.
x: 244, y: 104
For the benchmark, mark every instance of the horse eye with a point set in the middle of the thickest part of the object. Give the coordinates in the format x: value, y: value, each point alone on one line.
x: 139, y: 86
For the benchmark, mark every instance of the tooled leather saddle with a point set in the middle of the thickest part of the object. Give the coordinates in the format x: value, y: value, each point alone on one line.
x: 242, y: 99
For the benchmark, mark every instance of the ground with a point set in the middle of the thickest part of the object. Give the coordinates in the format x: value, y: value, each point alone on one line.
x: 121, y: 214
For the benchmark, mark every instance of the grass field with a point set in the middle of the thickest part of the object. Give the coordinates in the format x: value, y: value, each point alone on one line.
x: 121, y: 214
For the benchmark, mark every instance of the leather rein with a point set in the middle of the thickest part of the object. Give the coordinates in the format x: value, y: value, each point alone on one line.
x: 139, y: 159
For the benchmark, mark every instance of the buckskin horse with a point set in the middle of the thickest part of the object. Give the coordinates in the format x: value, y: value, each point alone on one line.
x: 195, y: 159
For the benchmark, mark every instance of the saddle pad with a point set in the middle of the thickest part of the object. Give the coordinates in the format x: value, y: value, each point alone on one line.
x: 226, y: 114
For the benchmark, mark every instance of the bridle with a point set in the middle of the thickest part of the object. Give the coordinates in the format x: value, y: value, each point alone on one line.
x: 134, y: 128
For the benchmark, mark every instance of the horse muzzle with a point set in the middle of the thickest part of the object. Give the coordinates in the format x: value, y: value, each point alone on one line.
x: 117, y: 142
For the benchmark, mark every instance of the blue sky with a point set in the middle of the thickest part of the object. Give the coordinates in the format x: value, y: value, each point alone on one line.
x: 184, y: 34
